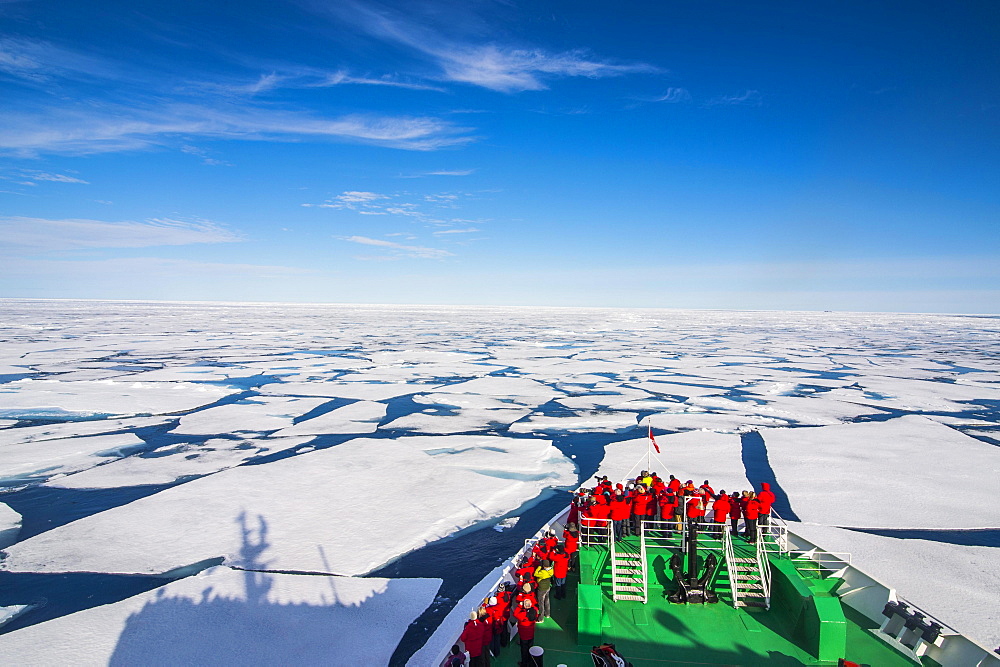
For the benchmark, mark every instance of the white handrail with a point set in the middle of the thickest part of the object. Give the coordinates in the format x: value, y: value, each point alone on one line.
x: 727, y: 544
x: 764, y: 567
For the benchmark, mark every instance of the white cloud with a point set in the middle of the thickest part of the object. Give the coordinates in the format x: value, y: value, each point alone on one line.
x: 674, y: 95
x: 112, y: 128
x: 419, y: 252
x: 54, y: 178
x: 501, y: 68
x: 298, y: 77
x: 469, y: 230
x: 443, y: 172
x: 41, y: 234
x: 748, y: 98
x: 38, y: 62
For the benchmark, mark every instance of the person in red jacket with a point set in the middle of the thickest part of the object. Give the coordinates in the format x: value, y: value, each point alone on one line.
x: 560, y: 565
x: 526, y: 615
x: 674, y: 484
x: 526, y: 592
x: 571, y: 544
x: 642, y: 508
x: 667, y: 500
x: 472, y: 637
x: 695, y: 510
x: 751, y: 510
x: 735, y: 512
x: 621, y: 510
x: 597, y: 518
x: 766, y: 499
x: 721, y: 509
x: 497, y: 613
x: 484, y: 618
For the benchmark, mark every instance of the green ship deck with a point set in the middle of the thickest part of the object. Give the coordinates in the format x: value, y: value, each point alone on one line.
x: 661, y: 633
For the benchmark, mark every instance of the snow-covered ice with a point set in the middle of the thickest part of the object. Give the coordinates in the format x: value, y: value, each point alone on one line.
x: 75, y: 428
x: 325, y: 511
x: 357, y: 390
x: 359, y: 417
x: 228, y: 617
x: 60, y: 399
x: 10, y: 525
x: 464, y: 421
x: 908, y: 472
x: 39, y: 460
x: 694, y: 455
x: 173, y: 463
x: 577, y: 424
x: 256, y: 415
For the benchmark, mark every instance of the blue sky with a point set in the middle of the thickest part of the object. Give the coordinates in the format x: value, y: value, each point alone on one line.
x: 837, y: 156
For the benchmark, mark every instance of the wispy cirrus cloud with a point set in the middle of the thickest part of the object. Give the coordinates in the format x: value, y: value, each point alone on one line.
x: 41, y: 234
x: 298, y: 77
x: 507, y: 69
x: 400, y: 249
x: 748, y: 98
x: 442, y: 172
x: 468, y: 230
x: 674, y: 96
x: 85, y: 130
x: 40, y: 62
x: 426, y: 208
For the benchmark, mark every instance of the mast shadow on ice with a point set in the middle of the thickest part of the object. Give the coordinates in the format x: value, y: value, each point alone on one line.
x: 253, y: 615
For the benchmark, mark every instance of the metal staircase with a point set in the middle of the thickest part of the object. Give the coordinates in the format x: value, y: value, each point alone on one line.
x: 628, y: 572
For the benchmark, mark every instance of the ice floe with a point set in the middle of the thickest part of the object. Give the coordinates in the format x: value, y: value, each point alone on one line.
x: 695, y: 455
x: 227, y: 617
x: 464, y: 421
x: 75, y: 429
x: 257, y: 414
x: 173, y: 463
x: 26, y: 399
x: 39, y: 460
x: 908, y: 472
x: 10, y: 525
x: 366, y: 391
x: 614, y: 422
x: 325, y: 511
x: 359, y: 417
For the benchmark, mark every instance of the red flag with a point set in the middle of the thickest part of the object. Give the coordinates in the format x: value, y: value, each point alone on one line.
x: 653, y: 440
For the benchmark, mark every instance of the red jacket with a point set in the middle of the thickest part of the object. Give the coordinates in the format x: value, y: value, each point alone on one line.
x: 735, y: 507
x: 674, y: 484
x: 599, y: 511
x: 765, y: 498
x: 620, y: 509
x: 526, y: 622
x: 560, y: 563
x: 751, y: 508
x: 473, y: 637
x: 571, y: 542
x: 721, y: 507
x: 695, y: 510
x: 641, y: 504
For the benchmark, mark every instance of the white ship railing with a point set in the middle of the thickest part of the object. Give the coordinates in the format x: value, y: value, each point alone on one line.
x: 727, y: 546
x: 764, y: 568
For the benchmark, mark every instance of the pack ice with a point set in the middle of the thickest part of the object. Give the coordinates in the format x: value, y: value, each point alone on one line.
x: 347, y: 510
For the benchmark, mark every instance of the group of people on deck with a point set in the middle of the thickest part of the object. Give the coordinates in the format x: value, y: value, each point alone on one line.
x: 648, y: 498
x: 539, y: 574
x: 542, y: 571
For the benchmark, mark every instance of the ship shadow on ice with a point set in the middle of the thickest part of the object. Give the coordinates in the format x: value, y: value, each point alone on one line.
x: 257, y: 625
